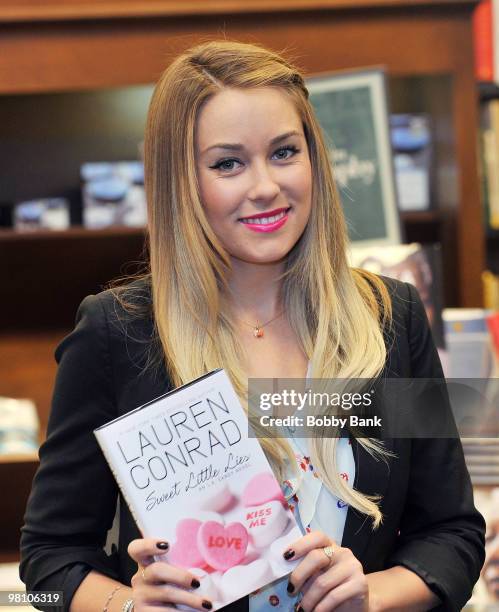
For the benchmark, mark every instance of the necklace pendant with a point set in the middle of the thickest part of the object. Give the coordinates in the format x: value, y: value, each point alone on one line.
x: 258, y: 332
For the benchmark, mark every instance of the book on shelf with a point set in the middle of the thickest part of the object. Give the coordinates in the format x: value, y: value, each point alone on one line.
x: 468, y: 343
x: 412, y: 158
x: 113, y: 194
x: 489, y: 161
x: 490, y: 290
x: 41, y: 214
x: 193, y: 475
x: 485, y: 40
x: 413, y: 263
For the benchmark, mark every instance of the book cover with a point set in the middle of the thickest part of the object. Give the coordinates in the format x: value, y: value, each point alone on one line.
x: 486, y: 592
x: 412, y: 145
x: 420, y: 266
x: 193, y: 476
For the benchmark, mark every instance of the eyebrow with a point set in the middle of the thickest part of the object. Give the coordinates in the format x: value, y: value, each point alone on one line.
x: 239, y: 147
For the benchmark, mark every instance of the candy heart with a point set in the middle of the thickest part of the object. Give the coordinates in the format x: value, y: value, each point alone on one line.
x: 248, y: 577
x: 185, y: 552
x: 222, y: 547
x: 261, y: 489
x: 204, y: 515
x: 216, y: 498
x: 265, y: 523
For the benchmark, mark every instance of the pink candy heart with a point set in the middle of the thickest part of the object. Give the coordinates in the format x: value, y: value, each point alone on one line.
x: 261, y: 489
x: 222, y: 547
x: 185, y: 552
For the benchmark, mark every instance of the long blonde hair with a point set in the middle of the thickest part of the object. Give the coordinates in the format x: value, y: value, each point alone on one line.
x: 338, y: 313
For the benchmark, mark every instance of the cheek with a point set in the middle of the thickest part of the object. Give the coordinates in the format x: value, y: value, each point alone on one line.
x: 302, y: 184
x: 219, y: 199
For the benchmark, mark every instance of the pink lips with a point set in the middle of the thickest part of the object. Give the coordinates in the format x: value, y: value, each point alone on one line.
x: 269, y: 227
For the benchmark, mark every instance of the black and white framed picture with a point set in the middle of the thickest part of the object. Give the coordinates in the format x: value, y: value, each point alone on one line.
x: 352, y: 109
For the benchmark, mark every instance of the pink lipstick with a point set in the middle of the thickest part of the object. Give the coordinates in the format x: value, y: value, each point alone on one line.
x: 266, y: 222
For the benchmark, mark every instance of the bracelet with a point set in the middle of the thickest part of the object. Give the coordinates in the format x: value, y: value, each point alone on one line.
x: 111, y: 595
x: 128, y: 606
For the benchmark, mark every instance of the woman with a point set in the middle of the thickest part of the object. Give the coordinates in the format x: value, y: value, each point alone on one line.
x: 248, y: 271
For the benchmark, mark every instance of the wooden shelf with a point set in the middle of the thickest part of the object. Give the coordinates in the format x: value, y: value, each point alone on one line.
x: 421, y: 217
x: 28, y: 371
x: 62, y: 267
x: 19, y: 458
x: 72, y: 10
x: 15, y: 478
x: 71, y: 234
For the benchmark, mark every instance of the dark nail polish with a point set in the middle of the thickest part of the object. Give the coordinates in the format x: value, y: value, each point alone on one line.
x: 290, y: 588
x: 207, y: 605
x: 195, y: 584
x: 289, y: 554
x: 163, y: 545
x: 298, y: 608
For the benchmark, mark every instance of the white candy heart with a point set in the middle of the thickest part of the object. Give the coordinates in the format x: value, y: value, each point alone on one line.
x: 205, y: 515
x: 252, y: 576
x: 265, y: 523
x: 216, y: 498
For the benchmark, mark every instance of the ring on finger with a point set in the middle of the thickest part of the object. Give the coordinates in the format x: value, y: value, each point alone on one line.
x: 328, y: 551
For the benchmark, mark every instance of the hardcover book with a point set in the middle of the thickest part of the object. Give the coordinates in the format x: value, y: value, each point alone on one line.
x: 192, y: 475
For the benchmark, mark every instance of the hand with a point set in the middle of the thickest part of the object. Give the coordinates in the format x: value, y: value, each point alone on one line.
x: 159, y: 582
x: 490, y: 570
x: 327, y: 584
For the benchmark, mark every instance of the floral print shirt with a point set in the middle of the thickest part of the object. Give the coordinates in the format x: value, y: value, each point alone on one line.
x: 314, y: 508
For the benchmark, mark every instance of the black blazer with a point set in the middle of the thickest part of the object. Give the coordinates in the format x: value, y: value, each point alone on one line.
x: 430, y: 523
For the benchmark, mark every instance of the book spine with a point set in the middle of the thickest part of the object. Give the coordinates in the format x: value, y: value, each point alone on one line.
x: 494, y: 166
x: 484, y: 41
x: 494, y: 44
x: 101, y: 439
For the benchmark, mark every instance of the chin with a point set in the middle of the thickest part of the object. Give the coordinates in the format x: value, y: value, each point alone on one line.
x: 262, y: 259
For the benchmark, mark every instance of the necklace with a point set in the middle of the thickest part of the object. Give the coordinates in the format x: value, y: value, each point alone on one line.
x: 258, y: 329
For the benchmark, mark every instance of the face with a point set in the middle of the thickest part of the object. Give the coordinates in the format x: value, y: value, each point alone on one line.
x: 254, y: 172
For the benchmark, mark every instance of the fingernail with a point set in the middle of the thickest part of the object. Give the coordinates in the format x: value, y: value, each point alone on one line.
x: 290, y: 588
x: 289, y: 554
x: 163, y: 545
x: 195, y: 584
x: 207, y: 605
x: 298, y: 608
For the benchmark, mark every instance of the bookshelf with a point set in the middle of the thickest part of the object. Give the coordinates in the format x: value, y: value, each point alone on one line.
x: 91, y: 45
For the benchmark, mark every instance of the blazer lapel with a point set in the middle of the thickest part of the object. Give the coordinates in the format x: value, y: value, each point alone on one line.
x: 371, y: 478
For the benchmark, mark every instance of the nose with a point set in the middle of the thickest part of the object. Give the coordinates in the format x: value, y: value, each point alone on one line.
x: 264, y: 187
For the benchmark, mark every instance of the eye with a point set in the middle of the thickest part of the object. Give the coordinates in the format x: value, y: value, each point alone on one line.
x: 226, y: 165
x: 285, y: 152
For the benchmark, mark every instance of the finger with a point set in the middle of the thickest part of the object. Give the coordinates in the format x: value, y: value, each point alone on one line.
x: 163, y: 594
x: 316, y: 589
x: 353, y: 591
x: 161, y: 572
x: 314, y: 562
x: 314, y: 539
x: 143, y: 550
